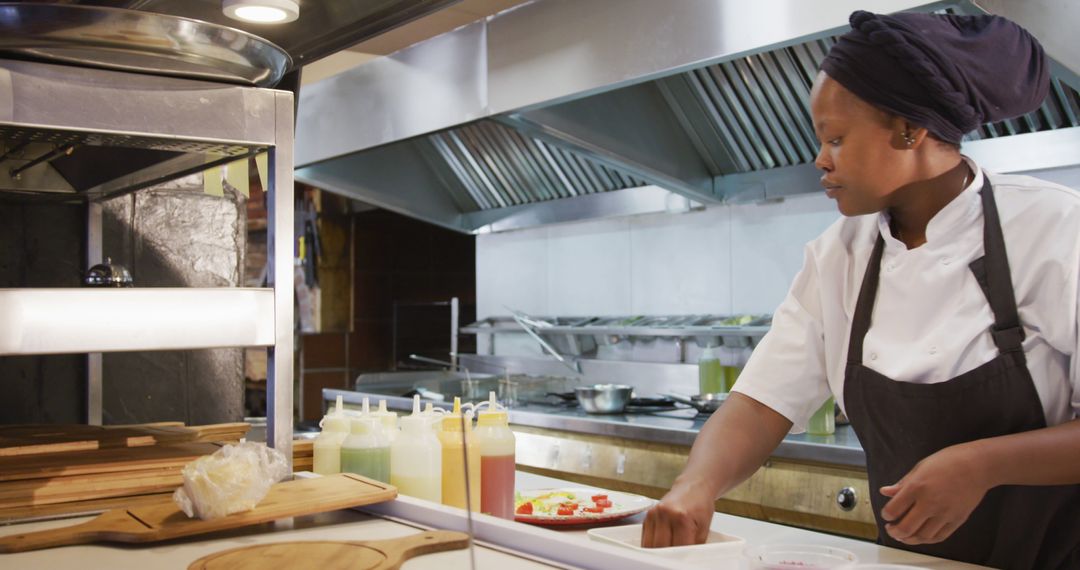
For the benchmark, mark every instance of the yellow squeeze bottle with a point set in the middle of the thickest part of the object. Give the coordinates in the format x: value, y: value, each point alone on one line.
x: 454, y: 462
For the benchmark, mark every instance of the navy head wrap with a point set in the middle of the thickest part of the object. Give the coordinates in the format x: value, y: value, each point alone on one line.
x: 946, y: 73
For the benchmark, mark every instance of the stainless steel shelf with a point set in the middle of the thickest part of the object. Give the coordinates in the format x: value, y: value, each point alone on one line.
x: 119, y: 131
x: 89, y: 134
x: 64, y: 321
x: 683, y: 331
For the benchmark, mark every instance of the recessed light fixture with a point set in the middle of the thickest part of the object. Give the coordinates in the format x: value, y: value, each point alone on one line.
x: 262, y: 11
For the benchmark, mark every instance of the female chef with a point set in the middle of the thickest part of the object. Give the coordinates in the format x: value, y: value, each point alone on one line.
x: 941, y: 310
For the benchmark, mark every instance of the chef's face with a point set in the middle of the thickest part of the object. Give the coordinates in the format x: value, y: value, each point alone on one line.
x: 862, y: 161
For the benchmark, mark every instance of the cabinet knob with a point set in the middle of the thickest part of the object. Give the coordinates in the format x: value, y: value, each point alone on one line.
x: 847, y: 499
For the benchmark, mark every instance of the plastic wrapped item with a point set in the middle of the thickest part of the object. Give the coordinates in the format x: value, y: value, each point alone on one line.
x: 231, y: 480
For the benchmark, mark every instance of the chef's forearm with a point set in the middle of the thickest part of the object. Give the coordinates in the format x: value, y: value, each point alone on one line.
x: 732, y: 445
x: 1048, y: 456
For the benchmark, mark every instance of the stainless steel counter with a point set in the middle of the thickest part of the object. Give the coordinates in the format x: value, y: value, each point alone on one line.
x: 675, y: 427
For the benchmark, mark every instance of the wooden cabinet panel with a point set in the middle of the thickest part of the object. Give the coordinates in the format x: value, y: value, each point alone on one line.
x: 789, y: 492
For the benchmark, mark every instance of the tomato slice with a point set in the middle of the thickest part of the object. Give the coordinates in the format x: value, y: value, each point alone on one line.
x: 593, y: 509
x: 526, y: 508
x: 603, y: 503
x: 568, y: 505
x: 599, y: 498
x: 565, y: 511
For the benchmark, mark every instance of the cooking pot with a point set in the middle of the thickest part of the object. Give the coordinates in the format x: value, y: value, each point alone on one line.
x: 603, y: 398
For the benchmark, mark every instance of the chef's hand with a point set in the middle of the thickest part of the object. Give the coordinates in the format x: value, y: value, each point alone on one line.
x: 935, y: 497
x: 681, y: 518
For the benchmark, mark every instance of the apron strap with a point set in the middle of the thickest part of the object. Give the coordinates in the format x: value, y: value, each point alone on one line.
x: 995, y: 279
x: 864, y: 307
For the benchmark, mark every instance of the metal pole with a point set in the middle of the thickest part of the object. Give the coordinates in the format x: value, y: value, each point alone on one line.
x: 279, y: 234
x: 93, y: 359
x: 455, y: 316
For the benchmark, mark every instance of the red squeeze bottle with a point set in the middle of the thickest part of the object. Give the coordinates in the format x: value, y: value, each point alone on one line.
x: 497, y: 450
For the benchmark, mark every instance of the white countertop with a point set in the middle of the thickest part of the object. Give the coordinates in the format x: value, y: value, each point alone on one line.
x: 759, y: 532
x: 352, y: 525
x: 178, y: 554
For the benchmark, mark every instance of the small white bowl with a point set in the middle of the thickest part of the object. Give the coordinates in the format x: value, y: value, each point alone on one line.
x: 716, y: 545
x: 800, y: 557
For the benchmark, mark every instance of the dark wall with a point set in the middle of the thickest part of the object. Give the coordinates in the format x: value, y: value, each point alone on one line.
x: 398, y: 262
x: 172, y: 235
x: 41, y: 245
x: 404, y: 262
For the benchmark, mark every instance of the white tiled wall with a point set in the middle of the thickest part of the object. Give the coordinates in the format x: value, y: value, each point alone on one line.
x: 726, y: 259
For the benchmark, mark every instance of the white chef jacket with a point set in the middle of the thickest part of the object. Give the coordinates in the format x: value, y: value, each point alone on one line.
x: 931, y: 321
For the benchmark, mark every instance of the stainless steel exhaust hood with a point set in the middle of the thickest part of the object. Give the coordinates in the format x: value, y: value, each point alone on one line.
x: 558, y: 110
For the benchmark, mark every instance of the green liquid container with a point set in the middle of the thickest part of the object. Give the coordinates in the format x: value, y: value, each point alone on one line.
x: 366, y: 451
x: 373, y: 463
x: 823, y: 422
x: 731, y: 374
x: 710, y: 373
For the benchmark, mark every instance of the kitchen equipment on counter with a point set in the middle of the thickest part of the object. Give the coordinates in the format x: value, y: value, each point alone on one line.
x: 163, y: 519
x: 136, y: 41
x: 333, y: 555
x: 603, y: 398
x: 716, y: 545
x: 633, y: 405
x: 823, y: 422
x: 703, y: 403
x: 108, y: 274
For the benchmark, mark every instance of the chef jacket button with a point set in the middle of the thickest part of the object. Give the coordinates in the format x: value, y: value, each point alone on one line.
x: 933, y: 350
x: 873, y: 356
x: 946, y: 260
x: 890, y: 267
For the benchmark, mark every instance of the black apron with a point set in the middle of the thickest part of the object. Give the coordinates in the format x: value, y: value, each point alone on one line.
x: 901, y: 423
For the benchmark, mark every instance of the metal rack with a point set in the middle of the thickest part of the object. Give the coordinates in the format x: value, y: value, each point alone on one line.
x: 142, y: 130
x: 577, y: 333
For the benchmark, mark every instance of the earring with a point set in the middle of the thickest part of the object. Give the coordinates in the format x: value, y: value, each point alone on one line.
x: 908, y: 138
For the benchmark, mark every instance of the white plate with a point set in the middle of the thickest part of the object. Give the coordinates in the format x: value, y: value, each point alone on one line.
x: 622, y: 505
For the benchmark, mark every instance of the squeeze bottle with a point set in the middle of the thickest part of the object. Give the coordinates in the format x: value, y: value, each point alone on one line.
x: 366, y: 451
x: 389, y: 420
x: 416, y: 458
x: 497, y: 450
x: 327, y: 447
x: 454, y: 460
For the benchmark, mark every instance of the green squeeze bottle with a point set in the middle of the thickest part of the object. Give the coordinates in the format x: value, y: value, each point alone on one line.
x: 366, y: 451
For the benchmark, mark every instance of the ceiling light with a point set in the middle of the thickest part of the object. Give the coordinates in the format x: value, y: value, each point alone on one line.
x: 262, y: 11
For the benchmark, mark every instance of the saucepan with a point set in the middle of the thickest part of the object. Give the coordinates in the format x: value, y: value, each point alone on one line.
x: 703, y: 403
x: 603, y: 398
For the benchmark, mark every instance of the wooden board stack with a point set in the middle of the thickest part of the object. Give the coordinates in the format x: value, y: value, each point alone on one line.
x: 47, y: 470
x: 303, y: 455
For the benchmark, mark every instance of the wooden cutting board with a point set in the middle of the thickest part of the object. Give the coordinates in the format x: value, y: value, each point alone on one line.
x: 26, y: 440
x: 94, y: 461
x: 163, y: 520
x: 333, y: 555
